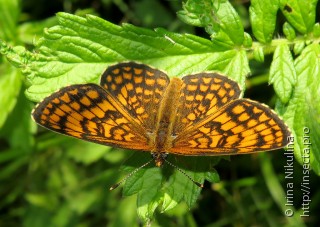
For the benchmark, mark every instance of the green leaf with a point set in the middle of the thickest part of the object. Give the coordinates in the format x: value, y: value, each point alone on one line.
x: 17, y: 56
x: 146, y: 183
x: 313, y: 112
x: 258, y: 54
x: 238, y: 68
x: 135, y: 182
x: 316, y: 30
x: 10, y: 83
x: 219, y: 19
x: 300, y: 14
x: 247, y: 42
x: 80, y: 49
x: 282, y: 73
x: 179, y: 186
x: 213, y: 176
x: 9, y: 14
x: 167, y: 186
x: 168, y: 202
x: 298, y: 47
x: 263, y: 15
x: 307, y: 67
x: 289, y: 31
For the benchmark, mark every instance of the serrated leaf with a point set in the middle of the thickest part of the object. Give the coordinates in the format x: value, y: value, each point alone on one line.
x: 146, y: 183
x: 263, y: 15
x: 307, y: 67
x: 166, y: 186
x: 79, y: 50
x: 238, y: 68
x: 300, y: 14
x: 189, y: 18
x: 219, y: 19
x: 282, y: 73
x: 180, y: 187
x: 138, y: 179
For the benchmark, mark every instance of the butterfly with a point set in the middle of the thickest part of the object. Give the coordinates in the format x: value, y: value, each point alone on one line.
x: 138, y: 107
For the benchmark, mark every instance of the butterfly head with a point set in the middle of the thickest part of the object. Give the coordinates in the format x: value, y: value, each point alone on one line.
x: 159, y: 158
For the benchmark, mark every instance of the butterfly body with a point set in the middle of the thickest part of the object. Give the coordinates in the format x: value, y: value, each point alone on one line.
x: 166, y: 116
x: 137, y: 107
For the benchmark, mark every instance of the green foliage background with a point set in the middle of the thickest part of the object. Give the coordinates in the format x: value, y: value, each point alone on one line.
x: 51, y: 180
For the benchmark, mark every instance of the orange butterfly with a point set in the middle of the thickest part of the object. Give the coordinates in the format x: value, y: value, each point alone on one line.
x: 140, y: 108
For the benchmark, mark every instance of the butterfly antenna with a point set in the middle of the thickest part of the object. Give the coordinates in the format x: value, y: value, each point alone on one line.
x: 129, y: 175
x: 184, y: 173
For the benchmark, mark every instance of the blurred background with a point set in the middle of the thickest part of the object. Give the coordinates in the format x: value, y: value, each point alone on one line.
x: 48, y: 179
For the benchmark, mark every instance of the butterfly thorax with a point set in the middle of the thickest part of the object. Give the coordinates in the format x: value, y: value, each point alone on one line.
x: 165, y: 119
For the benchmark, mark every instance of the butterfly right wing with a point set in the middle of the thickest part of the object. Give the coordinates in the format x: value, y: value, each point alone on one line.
x: 88, y: 112
x: 202, y: 95
x: 212, y: 120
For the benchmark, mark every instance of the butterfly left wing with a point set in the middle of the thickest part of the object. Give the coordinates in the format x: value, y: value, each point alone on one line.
x: 139, y: 88
x: 241, y: 126
x: 88, y: 112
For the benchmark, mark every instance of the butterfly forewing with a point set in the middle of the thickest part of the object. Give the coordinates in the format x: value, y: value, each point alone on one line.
x: 241, y: 126
x: 88, y: 112
x: 139, y: 88
x: 202, y: 95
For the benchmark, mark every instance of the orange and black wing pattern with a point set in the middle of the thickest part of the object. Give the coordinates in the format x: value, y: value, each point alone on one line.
x: 209, y: 118
x: 88, y: 112
x: 202, y: 95
x: 230, y: 126
x: 139, y: 88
